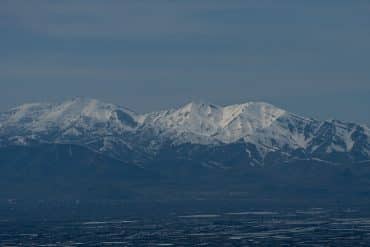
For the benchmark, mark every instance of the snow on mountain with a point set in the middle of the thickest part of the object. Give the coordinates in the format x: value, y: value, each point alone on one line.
x: 194, y: 122
x: 254, y: 122
x: 110, y: 128
x: 212, y: 123
x: 69, y: 117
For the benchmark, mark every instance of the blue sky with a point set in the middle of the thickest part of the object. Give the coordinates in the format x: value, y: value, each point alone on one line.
x: 309, y: 57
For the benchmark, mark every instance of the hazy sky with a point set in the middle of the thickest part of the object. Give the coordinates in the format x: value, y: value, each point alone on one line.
x: 309, y: 57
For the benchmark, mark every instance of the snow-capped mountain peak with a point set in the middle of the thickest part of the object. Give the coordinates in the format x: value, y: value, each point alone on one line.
x: 114, y: 129
x: 78, y: 112
x: 215, y: 123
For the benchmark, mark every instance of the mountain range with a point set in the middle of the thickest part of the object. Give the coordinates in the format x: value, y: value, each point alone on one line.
x: 118, y: 132
x: 187, y: 145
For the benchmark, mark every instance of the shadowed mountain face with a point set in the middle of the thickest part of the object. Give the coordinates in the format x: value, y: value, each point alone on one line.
x: 84, y: 148
x: 61, y: 171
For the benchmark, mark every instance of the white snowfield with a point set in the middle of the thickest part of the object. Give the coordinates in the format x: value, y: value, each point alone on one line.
x: 262, y: 124
x: 210, y: 122
x: 67, y: 116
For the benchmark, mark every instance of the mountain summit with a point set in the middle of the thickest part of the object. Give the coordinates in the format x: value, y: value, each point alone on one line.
x: 265, y: 131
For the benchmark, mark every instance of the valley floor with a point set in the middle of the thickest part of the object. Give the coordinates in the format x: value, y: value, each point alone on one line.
x: 224, y: 226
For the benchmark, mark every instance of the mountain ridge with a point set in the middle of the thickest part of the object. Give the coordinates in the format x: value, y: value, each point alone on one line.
x: 122, y: 133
